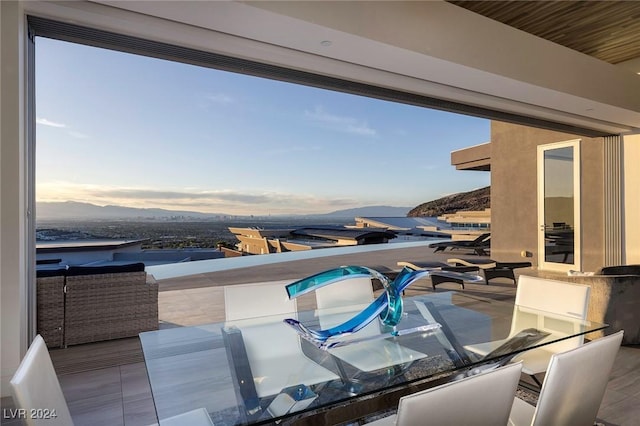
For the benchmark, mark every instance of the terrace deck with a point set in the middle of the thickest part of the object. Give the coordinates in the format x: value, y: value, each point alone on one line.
x: 106, y: 383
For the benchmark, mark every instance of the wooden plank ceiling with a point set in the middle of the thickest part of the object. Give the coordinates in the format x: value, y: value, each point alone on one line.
x: 607, y: 30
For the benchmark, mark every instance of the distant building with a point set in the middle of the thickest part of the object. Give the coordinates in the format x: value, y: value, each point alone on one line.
x: 278, y: 240
x: 468, y: 220
x: 459, y: 225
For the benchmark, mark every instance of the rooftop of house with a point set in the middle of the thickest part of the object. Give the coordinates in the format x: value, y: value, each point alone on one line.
x: 85, y: 245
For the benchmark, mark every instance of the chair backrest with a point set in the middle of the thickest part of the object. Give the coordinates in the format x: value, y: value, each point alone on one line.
x: 270, y: 340
x: 482, y: 238
x: 354, y: 291
x: 35, y: 386
x: 332, y: 300
x: 557, y: 297
x: 243, y: 301
x: 483, y: 399
x: 575, y: 383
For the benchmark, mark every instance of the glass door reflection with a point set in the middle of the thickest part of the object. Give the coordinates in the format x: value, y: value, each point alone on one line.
x: 559, y: 205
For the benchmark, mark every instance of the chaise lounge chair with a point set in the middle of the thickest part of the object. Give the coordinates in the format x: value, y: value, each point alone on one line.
x: 439, y: 278
x: 480, y: 245
x: 492, y: 269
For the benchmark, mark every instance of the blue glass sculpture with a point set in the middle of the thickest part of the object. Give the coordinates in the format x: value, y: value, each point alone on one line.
x: 387, y: 307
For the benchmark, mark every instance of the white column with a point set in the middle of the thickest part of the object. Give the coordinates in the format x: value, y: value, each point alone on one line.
x: 13, y: 194
x: 613, y: 196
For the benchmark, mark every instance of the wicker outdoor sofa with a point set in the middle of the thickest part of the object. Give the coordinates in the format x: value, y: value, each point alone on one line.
x: 50, y: 306
x: 94, y: 303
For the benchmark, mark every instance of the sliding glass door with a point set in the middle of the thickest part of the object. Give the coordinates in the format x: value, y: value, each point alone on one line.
x: 559, y: 206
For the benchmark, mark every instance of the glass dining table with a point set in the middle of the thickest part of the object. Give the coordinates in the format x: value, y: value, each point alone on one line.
x: 260, y: 371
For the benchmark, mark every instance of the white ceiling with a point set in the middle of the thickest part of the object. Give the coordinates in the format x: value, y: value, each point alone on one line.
x: 431, y: 48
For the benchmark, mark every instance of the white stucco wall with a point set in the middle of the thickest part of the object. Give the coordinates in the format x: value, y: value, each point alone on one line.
x: 13, y: 339
x: 631, y: 200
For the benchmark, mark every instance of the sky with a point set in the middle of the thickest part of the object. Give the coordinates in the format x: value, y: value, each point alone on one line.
x: 120, y: 129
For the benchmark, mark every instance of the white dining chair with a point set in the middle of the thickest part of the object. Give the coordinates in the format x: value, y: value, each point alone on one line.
x: 561, y: 298
x: 338, y: 303
x: 573, y: 388
x: 36, y: 389
x: 273, y: 348
x: 35, y: 386
x: 243, y: 301
x: 349, y: 292
x: 482, y: 399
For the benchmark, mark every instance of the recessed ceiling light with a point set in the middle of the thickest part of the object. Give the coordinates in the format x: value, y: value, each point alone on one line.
x: 325, y: 43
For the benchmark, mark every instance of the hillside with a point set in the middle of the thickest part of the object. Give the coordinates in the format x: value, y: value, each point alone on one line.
x: 478, y: 199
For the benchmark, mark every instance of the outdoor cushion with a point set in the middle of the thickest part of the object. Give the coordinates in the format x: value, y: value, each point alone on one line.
x: 43, y: 273
x: 109, y: 269
x: 620, y: 270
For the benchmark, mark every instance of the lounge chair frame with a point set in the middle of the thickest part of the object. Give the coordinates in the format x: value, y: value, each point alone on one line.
x: 492, y: 269
x: 479, y: 246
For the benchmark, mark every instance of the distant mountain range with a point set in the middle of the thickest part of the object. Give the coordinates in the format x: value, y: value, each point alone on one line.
x: 76, y: 210
x: 473, y: 200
